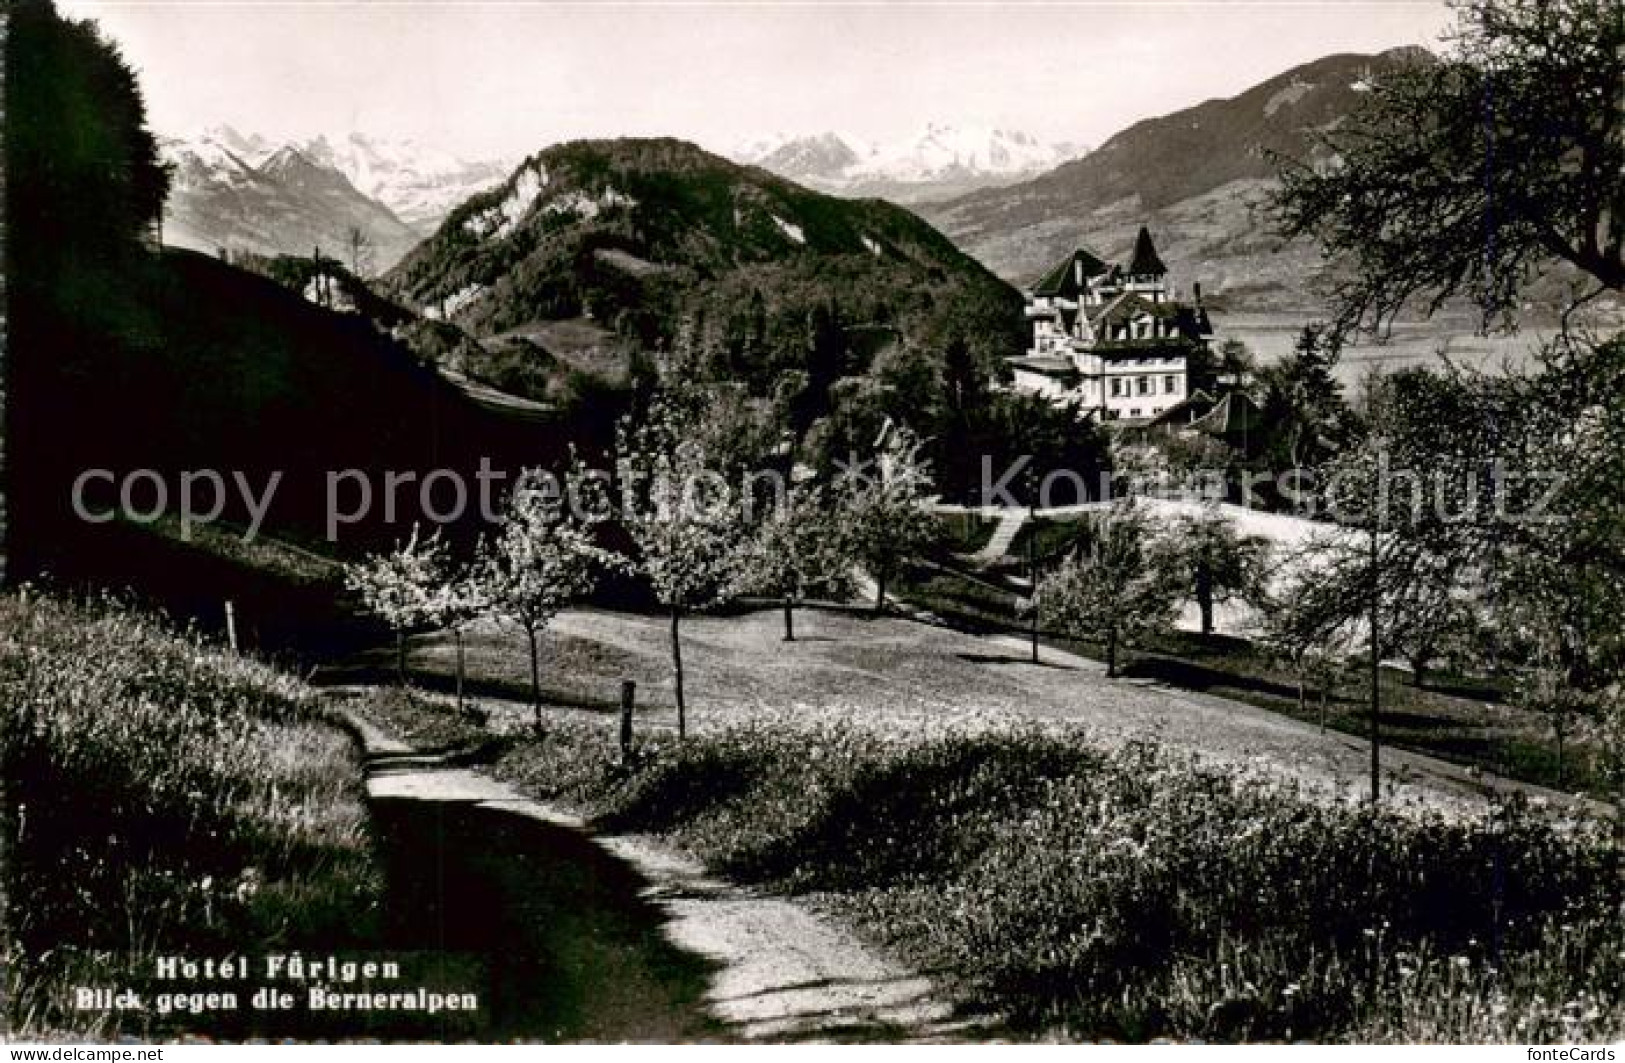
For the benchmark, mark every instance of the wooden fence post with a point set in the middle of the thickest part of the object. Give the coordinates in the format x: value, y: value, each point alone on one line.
x: 231, y: 625
x: 628, y: 694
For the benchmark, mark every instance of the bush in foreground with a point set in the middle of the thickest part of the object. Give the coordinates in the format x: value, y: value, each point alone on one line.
x: 166, y: 799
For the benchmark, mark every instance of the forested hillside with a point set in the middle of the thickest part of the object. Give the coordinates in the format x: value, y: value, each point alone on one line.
x: 676, y: 249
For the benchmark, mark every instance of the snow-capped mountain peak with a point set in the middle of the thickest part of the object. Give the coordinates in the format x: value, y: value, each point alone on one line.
x: 420, y: 183
x: 940, y: 151
x: 826, y: 155
x: 938, y: 159
x: 249, y: 147
x: 237, y: 194
x: 213, y: 158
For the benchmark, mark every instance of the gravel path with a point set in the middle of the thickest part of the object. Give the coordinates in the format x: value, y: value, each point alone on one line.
x: 652, y: 947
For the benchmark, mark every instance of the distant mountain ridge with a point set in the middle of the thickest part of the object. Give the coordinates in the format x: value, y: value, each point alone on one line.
x: 248, y: 194
x: 937, y: 162
x: 419, y: 182
x: 239, y: 195
x: 667, y: 246
x: 1196, y: 177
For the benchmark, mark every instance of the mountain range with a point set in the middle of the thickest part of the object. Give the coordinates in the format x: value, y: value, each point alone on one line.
x: 1198, y: 178
x: 659, y: 245
x: 938, y: 162
x: 246, y: 194
x: 419, y: 182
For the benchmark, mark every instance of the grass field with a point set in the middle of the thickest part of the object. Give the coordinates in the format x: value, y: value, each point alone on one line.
x: 1467, y: 720
x: 1087, y: 890
x: 167, y: 799
x: 893, y: 677
x: 581, y: 344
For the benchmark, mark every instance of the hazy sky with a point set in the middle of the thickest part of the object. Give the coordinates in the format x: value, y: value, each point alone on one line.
x: 506, y: 78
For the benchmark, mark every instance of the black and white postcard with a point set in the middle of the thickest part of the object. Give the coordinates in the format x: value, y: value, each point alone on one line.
x: 821, y: 521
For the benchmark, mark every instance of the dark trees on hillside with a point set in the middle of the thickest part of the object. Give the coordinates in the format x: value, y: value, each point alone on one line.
x: 1063, y: 455
x: 1305, y: 416
x: 1465, y: 176
x: 963, y: 398
x: 84, y: 189
x: 83, y: 179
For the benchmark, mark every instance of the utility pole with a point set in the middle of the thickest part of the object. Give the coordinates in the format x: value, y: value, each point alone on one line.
x: 1032, y: 556
x: 1032, y: 574
x: 1374, y: 533
x: 1376, y: 676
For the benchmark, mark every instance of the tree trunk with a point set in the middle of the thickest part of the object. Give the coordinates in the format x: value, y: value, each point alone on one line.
x: 400, y: 657
x: 1419, y: 673
x: 880, y: 592
x: 1111, y: 654
x: 1032, y: 574
x: 789, y: 620
x: 1303, y: 692
x: 535, y: 678
x: 1324, y: 697
x: 1204, y: 598
x: 677, y: 671
x: 1558, y: 727
x: 457, y: 633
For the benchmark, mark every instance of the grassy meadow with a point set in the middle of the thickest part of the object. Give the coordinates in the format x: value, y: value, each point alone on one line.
x: 1085, y: 891
x: 1463, y: 719
x: 166, y: 799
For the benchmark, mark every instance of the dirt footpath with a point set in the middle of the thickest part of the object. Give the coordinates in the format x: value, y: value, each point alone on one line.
x: 616, y: 938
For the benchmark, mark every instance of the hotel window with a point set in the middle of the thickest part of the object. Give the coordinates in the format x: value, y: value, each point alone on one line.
x: 1117, y: 387
x: 1142, y: 385
x: 1170, y: 384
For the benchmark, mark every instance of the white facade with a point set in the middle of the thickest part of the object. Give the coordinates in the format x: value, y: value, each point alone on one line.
x: 1132, y: 387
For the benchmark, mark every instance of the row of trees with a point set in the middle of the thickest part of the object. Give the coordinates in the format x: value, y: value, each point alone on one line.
x: 1477, y: 522
x: 835, y: 381
x: 1482, y: 514
x: 1483, y: 523
x: 1125, y: 578
x: 698, y: 519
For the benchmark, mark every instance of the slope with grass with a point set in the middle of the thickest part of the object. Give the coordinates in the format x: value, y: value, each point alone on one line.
x: 212, y: 368
x: 1087, y: 889
x: 166, y: 799
x: 900, y: 678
